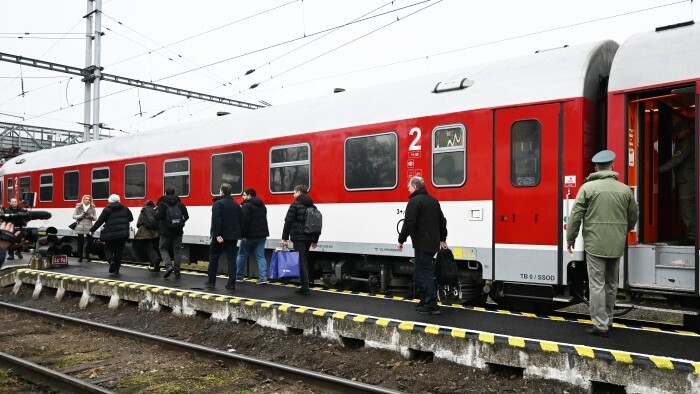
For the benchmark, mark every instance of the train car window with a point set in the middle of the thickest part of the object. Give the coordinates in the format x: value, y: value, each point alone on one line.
x: 449, y: 155
x: 25, y: 184
x: 525, y: 154
x: 10, y: 189
x: 289, y: 166
x: 71, y: 183
x: 135, y: 180
x: 227, y: 168
x: 176, y: 175
x: 371, y: 162
x: 46, y: 188
x: 100, y: 183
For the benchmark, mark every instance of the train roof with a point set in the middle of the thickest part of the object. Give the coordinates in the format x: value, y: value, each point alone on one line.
x: 563, y: 73
x: 658, y: 57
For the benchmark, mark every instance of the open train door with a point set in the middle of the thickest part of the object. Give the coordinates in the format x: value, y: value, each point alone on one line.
x: 527, y: 204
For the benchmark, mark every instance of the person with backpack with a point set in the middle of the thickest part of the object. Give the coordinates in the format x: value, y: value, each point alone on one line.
x: 427, y: 227
x: 172, y: 214
x: 254, y: 235
x: 116, y: 218
x: 85, y: 215
x: 226, y: 224
x: 303, y: 238
x: 147, y: 234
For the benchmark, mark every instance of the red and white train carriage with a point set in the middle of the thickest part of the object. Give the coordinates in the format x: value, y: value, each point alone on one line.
x: 504, y: 146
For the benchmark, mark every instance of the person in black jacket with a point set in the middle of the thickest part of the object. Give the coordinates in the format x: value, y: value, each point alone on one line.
x: 226, y: 224
x: 116, y: 218
x: 19, y: 224
x: 427, y: 226
x: 170, y: 236
x: 294, y: 230
x: 254, y: 235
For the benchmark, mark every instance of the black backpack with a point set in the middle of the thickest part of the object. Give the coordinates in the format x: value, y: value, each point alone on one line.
x: 446, y: 270
x: 313, y: 221
x: 149, y: 214
x: 174, y: 218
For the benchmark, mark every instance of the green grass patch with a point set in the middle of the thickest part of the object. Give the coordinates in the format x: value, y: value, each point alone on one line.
x: 79, y: 358
x: 161, y: 382
x: 8, y: 382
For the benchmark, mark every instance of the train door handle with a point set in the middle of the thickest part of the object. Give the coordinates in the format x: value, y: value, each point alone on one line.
x: 504, y: 218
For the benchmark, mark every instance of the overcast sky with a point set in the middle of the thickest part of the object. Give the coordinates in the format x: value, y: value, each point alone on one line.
x: 413, y: 37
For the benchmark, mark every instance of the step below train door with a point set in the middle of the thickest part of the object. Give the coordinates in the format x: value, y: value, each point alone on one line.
x: 527, y: 203
x: 661, y: 169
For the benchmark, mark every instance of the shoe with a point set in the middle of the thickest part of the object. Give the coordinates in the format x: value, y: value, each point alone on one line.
x: 682, y: 242
x: 419, y: 305
x: 302, y: 291
x: 209, y: 285
x: 429, y: 310
x: 168, y: 272
x: 231, y: 286
x: 177, y: 275
x: 154, y: 269
x: 80, y: 259
x: 19, y: 255
x: 239, y: 279
x: 111, y: 268
x: 263, y: 282
x: 597, y: 332
x: 10, y: 257
x: 88, y: 259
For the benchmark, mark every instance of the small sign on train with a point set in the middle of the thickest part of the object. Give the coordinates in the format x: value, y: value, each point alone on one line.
x: 570, y: 181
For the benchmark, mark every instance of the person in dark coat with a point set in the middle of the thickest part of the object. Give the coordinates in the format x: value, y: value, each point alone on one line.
x: 8, y: 237
x: 19, y: 224
x: 294, y: 230
x: 116, y: 218
x: 226, y: 224
x: 427, y: 227
x: 146, y: 238
x: 170, y: 237
x: 255, y: 233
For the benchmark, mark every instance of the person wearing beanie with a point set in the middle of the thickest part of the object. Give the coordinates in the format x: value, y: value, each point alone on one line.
x: 116, y: 218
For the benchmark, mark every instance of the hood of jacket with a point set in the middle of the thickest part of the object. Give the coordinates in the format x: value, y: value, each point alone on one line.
x: 602, y: 175
x: 418, y: 192
x: 305, y: 200
x: 115, y: 205
x: 169, y: 200
x: 254, y: 201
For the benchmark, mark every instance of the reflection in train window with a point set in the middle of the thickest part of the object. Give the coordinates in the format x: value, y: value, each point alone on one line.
x: 100, y: 183
x: 289, y: 166
x: 371, y: 162
x: 135, y: 180
x: 10, y: 189
x: 449, y: 155
x: 71, y: 182
x: 227, y: 168
x: 525, y: 153
x: 25, y: 184
x: 46, y: 188
x: 176, y: 175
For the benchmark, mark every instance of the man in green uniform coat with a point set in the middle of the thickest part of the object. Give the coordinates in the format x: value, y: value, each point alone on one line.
x: 683, y: 165
x: 608, y: 211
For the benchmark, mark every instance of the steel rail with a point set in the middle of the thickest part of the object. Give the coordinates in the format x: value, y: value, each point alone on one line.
x: 332, y: 383
x: 41, y: 375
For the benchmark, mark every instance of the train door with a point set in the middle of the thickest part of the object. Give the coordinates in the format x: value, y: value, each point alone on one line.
x: 527, y: 204
x: 662, y: 169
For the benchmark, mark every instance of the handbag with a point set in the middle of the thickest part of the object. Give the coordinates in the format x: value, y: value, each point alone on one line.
x: 73, y: 225
x: 284, y: 264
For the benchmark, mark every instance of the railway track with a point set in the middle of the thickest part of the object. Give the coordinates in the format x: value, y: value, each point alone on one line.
x: 64, y: 379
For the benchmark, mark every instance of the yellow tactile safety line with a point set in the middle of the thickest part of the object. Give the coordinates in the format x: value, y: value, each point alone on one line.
x: 429, y: 329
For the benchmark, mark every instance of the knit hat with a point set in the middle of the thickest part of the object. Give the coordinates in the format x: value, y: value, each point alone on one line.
x: 113, y: 198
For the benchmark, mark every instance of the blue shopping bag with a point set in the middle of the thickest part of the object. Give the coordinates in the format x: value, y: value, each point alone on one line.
x: 284, y: 264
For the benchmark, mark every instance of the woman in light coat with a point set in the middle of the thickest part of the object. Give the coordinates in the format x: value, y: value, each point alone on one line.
x: 85, y: 214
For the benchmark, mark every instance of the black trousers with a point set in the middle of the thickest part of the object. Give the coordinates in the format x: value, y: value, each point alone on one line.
x: 115, y: 252
x: 81, y: 245
x: 303, y: 249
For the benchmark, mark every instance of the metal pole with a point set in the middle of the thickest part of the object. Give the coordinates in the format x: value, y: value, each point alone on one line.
x: 88, y: 63
x: 96, y: 84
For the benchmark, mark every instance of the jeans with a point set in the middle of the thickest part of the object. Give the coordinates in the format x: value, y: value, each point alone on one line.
x: 215, y: 251
x: 166, y: 242
x: 147, y: 245
x: 256, y: 247
x: 425, y: 283
x: 303, y: 249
